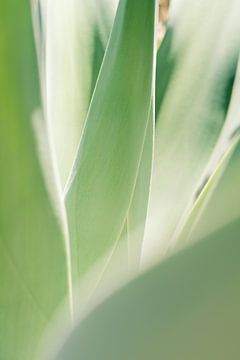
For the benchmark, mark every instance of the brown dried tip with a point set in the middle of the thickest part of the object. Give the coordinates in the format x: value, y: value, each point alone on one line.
x: 163, y: 18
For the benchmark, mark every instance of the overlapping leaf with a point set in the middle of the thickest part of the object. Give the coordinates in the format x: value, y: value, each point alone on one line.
x: 185, y: 308
x: 221, y: 208
x: 76, y: 36
x: 106, y: 169
x: 205, y: 216
x: 196, y: 68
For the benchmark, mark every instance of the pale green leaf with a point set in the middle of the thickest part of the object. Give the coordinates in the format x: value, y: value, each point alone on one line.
x: 186, y: 308
x: 204, y: 217
x: 187, y: 232
x: 127, y: 251
x: 33, y: 262
x: 197, y: 60
x: 221, y: 205
x: 138, y: 210
x: 77, y: 33
x: 104, y: 176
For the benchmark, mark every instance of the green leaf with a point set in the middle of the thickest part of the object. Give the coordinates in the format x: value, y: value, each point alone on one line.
x: 187, y: 232
x: 204, y: 216
x: 198, y: 60
x: 210, y: 215
x: 33, y: 269
x: 187, y: 307
x: 137, y: 213
x: 39, y: 17
x: 103, y: 180
x: 127, y: 251
x: 77, y: 33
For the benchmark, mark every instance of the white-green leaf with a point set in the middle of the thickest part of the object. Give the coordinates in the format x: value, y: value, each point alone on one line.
x: 204, y: 217
x: 187, y: 231
x: 197, y: 61
x: 127, y: 252
x: 76, y: 36
x: 220, y: 205
x: 33, y: 262
x: 103, y: 180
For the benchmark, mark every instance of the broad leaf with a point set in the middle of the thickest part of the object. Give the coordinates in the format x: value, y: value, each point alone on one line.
x: 127, y: 251
x: 198, y: 60
x: 33, y: 269
x: 204, y: 216
x: 105, y: 172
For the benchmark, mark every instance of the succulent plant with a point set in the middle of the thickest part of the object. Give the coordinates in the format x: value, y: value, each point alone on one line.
x: 120, y: 168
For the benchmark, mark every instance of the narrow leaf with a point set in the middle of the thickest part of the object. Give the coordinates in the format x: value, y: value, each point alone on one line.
x: 77, y: 33
x: 219, y: 207
x: 137, y: 213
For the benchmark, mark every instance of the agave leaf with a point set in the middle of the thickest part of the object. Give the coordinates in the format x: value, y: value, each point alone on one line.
x: 204, y: 217
x: 33, y: 269
x: 200, y: 57
x: 77, y: 33
x: 185, y: 308
x: 127, y: 251
x: 103, y: 179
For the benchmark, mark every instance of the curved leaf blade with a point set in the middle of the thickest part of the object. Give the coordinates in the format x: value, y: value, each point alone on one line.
x: 77, y: 33
x: 205, y: 206
x: 33, y: 269
x: 211, y: 215
x: 101, y: 187
x: 200, y: 65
